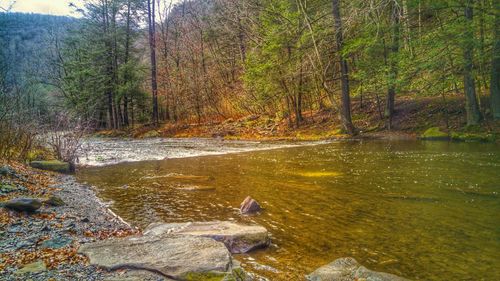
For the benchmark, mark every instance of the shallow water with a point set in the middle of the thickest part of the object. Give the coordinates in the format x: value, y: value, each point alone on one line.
x: 422, y: 210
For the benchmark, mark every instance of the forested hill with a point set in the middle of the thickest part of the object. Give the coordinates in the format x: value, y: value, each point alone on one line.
x: 27, y: 57
x: 135, y: 62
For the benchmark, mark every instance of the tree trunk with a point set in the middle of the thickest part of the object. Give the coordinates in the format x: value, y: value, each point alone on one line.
x: 127, y: 51
x: 471, y: 105
x: 393, y: 64
x: 495, y: 65
x: 152, y: 46
x: 345, y: 110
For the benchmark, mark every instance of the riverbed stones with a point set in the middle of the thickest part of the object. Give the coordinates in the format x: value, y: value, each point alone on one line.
x: 52, y: 165
x: 348, y: 269
x: 23, y: 204
x: 238, y: 238
x: 249, y: 206
x: 180, y: 257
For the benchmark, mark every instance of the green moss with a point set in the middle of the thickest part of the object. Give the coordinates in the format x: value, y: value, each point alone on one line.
x: 473, y: 137
x: 434, y: 133
x: 52, y: 165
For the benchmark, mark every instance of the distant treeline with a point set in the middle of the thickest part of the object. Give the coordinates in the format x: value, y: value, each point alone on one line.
x: 147, y: 61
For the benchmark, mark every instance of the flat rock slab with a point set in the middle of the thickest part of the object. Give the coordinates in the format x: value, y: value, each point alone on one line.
x: 238, y: 238
x: 173, y: 256
x: 348, y: 269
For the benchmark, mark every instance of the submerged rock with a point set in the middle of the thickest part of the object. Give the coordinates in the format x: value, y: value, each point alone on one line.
x: 238, y: 238
x: 180, y: 257
x: 196, y: 188
x: 249, y: 206
x: 23, y: 204
x: 348, y: 269
x: 52, y: 165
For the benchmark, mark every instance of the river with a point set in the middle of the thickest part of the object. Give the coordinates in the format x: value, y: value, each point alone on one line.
x: 421, y: 210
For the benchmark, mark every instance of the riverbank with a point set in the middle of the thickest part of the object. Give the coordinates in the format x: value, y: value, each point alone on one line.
x: 43, y: 245
x: 413, y: 116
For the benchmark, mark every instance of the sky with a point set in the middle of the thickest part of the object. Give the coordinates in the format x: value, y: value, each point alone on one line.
x: 52, y: 7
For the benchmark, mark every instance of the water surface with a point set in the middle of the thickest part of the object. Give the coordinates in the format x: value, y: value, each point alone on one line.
x: 422, y: 210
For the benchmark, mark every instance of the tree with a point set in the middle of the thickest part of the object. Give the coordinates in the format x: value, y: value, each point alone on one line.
x: 152, y: 47
x: 471, y: 104
x: 393, y: 59
x: 345, y: 111
x: 495, y: 64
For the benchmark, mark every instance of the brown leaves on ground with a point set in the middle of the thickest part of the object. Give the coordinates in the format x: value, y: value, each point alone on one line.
x: 51, y: 257
x: 36, y: 181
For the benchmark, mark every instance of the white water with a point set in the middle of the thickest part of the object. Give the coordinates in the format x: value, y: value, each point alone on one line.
x: 108, y: 151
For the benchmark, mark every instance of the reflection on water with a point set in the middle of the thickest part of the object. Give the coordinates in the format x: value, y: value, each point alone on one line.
x: 422, y: 210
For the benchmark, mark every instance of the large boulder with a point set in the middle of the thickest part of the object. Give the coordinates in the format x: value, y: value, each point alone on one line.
x: 348, y: 269
x: 179, y: 257
x: 238, y: 238
x: 249, y: 206
x: 23, y: 204
x: 52, y: 165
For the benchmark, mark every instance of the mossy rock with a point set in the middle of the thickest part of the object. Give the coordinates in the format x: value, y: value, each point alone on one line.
x: 54, y: 201
x: 151, y: 134
x: 434, y: 133
x: 472, y: 137
x: 52, y: 165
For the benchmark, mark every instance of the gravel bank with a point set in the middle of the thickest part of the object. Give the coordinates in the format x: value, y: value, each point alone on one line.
x: 43, y: 245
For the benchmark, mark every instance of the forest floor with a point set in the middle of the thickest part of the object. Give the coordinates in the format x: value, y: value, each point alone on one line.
x: 43, y: 245
x: 413, y: 115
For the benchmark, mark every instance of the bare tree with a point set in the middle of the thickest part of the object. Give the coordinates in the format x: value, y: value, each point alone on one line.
x: 65, y: 137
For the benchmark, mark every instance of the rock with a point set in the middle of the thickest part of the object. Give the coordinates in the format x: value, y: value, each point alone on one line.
x: 6, y: 171
x: 473, y: 137
x: 249, y: 206
x: 23, y: 204
x: 7, y: 188
x: 56, y: 243
x: 180, y: 257
x: 434, y: 133
x: 238, y: 238
x: 348, y: 269
x: 35, y: 267
x: 54, y: 201
x: 52, y: 165
x: 151, y: 134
